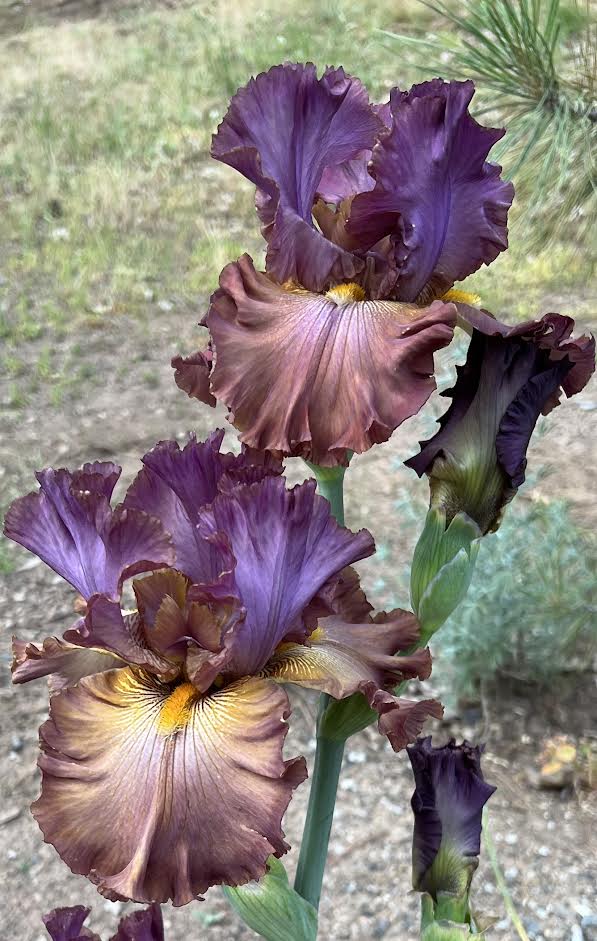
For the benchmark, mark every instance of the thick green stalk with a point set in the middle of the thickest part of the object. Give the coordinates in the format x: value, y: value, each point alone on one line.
x: 329, y: 752
x: 320, y: 814
x: 330, y: 484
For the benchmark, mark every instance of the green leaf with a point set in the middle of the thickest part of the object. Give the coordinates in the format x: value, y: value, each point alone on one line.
x: 272, y: 908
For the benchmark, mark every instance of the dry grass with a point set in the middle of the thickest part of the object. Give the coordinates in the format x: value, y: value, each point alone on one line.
x: 109, y: 199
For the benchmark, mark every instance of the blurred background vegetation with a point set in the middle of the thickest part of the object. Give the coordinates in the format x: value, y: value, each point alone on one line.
x: 111, y: 206
x: 108, y: 195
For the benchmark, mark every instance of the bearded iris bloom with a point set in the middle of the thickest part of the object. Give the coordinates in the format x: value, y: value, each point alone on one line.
x: 476, y: 461
x: 370, y: 214
x: 450, y: 793
x: 162, y: 767
x: 68, y: 924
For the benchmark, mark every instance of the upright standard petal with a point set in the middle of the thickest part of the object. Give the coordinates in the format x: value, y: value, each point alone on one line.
x: 287, y: 546
x: 477, y: 459
x: 342, y: 659
x: 313, y: 376
x: 450, y: 793
x: 70, y: 525
x: 157, y: 792
x: 444, y: 205
x: 282, y: 131
x: 176, y: 483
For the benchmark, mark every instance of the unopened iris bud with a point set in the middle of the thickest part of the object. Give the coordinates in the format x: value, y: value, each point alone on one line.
x: 272, y: 908
x: 68, y: 924
x: 477, y: 460
x: 450, y: 793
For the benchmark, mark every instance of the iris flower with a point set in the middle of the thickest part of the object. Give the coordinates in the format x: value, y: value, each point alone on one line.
x: 450, y: 793
x: 512, y: 375
x: 162, y: 767
x: 370, y: 214
x: 68, y: 924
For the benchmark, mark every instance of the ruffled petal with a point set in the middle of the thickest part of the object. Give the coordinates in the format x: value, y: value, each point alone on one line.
x: 174, y: 485
x: 183, y: 623
x: 64, y: 662
x: 287, y: 546
x: 156, y: 792
x: 338, y: 657
x: 435, y: 193
x: 146, y: 925
x: 191, y: 374
x: 341, y: 659
x: 282, y: 131
x: 310, y: 376
x: 67, y: 924
x: 477, y: 459
x: 70, y: 525
x: 106, y: 627
x: 346, y: 179
x: 343, y: 596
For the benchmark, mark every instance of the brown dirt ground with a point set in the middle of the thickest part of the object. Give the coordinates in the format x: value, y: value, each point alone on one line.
x: 546, y: 841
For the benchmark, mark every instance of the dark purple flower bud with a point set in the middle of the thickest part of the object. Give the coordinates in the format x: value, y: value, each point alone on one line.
x: 477, y: 460
x: 450, y: 793
x: 67, y: 924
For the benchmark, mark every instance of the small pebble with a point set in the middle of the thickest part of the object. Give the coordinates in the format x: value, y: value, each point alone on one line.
x: 533, y: 928
x: 576, y: 933
x: 380, y: 928
x: 511, y: 873
x: 544, y: 851
x: 16, y: 742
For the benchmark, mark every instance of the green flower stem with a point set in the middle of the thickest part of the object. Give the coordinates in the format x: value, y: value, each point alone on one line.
x: 330, y: 484
x: 329, y: 752
x: 320, y: 814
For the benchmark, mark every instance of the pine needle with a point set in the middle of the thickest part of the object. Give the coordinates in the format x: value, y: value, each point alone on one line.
x: 536, y: 73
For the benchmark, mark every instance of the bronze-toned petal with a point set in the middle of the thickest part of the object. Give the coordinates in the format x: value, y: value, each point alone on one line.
x: 311, y: 375
x: 65, y: 663
x: 155, y: 791
x: 342, y: 659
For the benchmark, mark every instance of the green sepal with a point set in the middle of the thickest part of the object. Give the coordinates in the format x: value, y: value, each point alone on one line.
x: 435, y: 926
x: 345, y: 717
x: 272, y: 908
x: 442, y: 568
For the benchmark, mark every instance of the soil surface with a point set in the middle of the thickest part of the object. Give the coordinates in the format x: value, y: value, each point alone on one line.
x: 546, y: 842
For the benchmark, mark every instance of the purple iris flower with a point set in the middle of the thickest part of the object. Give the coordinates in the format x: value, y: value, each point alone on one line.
x: 512, y: 375
x: 68, y: 924
x: 162, y: 765
x: 450, y: 793
x: 371, y: 214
